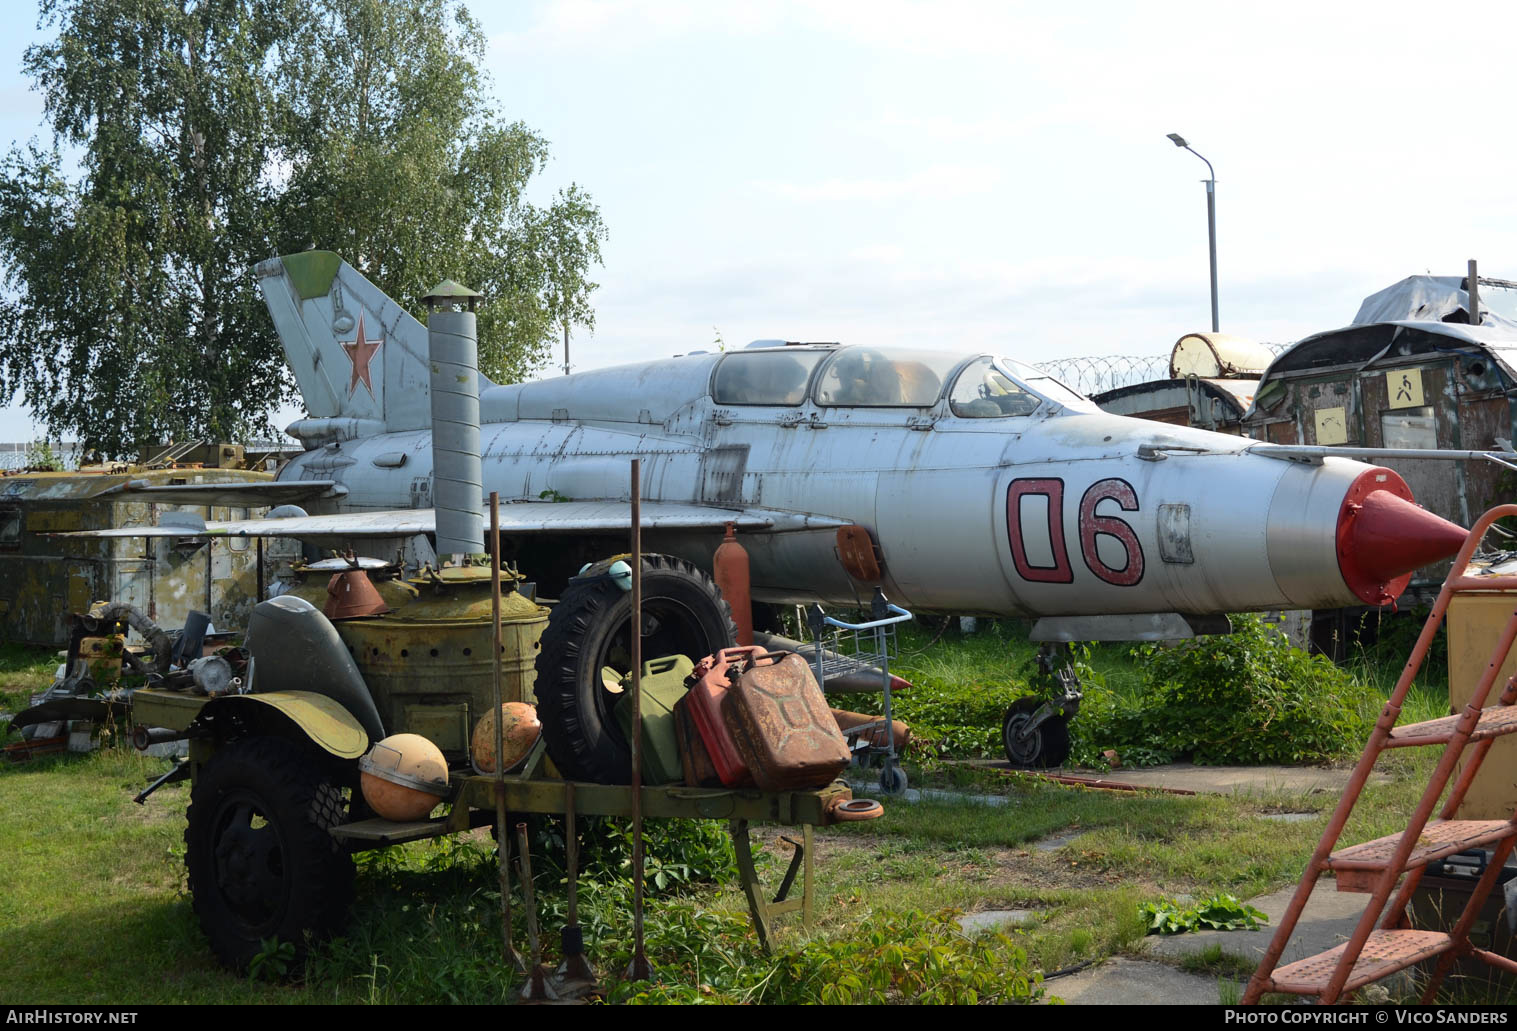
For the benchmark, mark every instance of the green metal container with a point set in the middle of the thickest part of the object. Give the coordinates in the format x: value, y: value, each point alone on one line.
x: 427, y: 661
x: 663, y: 684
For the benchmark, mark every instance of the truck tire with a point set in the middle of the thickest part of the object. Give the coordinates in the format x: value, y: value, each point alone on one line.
x: 261, y: 862
x: 588, y: 630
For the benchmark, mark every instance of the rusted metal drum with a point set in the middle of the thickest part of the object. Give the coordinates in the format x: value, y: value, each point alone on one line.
x: 427, y: 662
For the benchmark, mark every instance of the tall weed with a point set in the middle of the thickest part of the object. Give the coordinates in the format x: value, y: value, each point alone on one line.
x: 1246, y: 697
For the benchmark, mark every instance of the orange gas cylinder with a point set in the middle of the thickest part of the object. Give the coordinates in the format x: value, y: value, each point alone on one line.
x: 730, y: 570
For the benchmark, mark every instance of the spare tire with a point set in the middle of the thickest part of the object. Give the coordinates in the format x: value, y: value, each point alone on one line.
x: 589, y: 630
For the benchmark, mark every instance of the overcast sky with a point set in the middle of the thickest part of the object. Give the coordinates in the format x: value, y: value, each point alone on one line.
x: 996, y: 175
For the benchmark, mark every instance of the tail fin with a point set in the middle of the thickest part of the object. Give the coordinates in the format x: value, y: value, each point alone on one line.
x: 356, y: 354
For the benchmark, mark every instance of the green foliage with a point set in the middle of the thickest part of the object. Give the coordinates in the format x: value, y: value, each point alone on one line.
x: 426, y: 932
x: 1246, y: 697
x: 213, y: 135
x: 130, y: 314
x: 960, y: 688
x: 1217, y: 912
x: 677, y: 853
x: 273, y: 960
x: 41, y: 457
x: 402, y: 164
x: 1379, y: 651
x: 961, y: 719
x: 908, y: 957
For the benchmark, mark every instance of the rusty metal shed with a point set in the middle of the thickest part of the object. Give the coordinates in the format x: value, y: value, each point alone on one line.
x: 1403, y: 384
x: 43, y: 578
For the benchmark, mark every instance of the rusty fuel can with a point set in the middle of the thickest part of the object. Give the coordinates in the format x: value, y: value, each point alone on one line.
x: 427, y: 661
x: 780, y: 721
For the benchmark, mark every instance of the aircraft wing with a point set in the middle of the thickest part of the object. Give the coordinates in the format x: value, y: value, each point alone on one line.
x: 258, y: 494
x: 516, y: 517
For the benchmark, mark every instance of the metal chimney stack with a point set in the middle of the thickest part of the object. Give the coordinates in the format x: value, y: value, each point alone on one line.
x: 457, y: 474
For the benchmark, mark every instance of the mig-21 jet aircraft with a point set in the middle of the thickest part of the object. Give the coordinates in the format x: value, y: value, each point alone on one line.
x: 984, y: 485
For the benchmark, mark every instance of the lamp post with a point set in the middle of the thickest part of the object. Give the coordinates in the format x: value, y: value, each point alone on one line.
x: 1211, y: 220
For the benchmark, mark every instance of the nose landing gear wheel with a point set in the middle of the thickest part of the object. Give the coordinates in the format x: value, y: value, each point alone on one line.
x: 1046, y: 746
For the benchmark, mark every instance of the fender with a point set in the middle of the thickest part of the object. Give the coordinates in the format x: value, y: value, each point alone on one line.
x: 323, y: 721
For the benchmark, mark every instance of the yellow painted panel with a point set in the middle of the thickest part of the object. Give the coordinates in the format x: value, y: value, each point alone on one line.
x: 1404, y: 388
x: 79, y: 594
x: 1332, y: 426
x: 1475, y: 622
x: 45, y: 520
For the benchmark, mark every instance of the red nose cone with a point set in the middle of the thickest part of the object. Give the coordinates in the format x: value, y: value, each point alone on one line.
x: 1383, y: 536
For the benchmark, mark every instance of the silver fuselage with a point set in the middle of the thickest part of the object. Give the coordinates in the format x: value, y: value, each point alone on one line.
x: 1067, y: 511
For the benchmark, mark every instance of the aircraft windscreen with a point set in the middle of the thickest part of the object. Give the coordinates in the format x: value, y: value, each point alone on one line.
x: 985, y: 392
x: 1043, y: 383
x: 765, y: 377
x: 869, y: 376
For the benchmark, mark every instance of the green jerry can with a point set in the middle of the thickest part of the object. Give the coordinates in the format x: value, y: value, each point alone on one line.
x: 663, y: 684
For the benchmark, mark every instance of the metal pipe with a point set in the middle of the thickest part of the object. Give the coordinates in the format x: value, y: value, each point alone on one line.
x: 571, y: 848
x: 575, y: 977
x: 1472, y: 289
x: 539, y: 987
x: 638, y: 969
x: 1211, y: 236
x: 502, y: 832
x: 457, y: 474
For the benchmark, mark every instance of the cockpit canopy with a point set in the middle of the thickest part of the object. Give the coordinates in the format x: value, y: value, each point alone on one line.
x: 984, y: 387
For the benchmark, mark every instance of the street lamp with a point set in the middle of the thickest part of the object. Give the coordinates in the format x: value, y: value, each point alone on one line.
x: 1211, y: 221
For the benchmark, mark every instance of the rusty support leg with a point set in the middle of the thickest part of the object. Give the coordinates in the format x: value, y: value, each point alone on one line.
x: 758, y: 906
x: 808, y: 843
x: 539, y: 986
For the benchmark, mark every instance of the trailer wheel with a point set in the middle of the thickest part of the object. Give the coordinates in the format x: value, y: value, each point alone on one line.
x: 589, y: 631
x: 1046, y: 747
x: 261, y: 863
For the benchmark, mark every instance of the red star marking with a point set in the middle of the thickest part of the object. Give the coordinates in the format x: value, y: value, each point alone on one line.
x: 360, y: 352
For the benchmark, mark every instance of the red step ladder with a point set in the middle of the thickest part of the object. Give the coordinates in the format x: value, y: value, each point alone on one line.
x: 1377, y: 866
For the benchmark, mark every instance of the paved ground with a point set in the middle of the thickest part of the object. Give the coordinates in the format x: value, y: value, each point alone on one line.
x: 1222, y: 780
x: 1328, y: 919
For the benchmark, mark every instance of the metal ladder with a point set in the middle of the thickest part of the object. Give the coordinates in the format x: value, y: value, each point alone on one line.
x: 1373, y: 953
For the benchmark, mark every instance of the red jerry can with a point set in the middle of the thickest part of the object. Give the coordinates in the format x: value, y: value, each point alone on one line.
x: 709, y: 684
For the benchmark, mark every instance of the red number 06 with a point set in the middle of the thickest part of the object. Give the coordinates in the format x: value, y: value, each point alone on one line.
x: 1092, y: 526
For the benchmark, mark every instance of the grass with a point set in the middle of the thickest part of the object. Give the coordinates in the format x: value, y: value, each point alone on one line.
x: 23, y: 671
x: 83, y: 866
